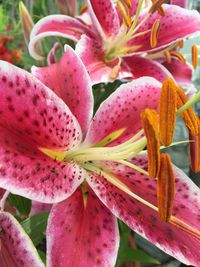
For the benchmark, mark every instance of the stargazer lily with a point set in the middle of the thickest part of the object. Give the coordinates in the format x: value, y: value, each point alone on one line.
x: 16, y: 248
x: 117, y: 41
x: 51, y: 150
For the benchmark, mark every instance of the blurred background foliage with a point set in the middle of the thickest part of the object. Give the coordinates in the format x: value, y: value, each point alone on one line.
x: 133, y: 251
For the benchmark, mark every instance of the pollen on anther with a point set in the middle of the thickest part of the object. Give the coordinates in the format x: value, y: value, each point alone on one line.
x: 154, y: 33
x: 150, y: 125
x: 188, y: 115
x: 167, y: 111
x: 165, y: 188
x: 195, y: 56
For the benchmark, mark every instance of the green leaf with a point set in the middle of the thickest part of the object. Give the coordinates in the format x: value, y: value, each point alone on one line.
x: 131, y: 254
x: 42, y: 255
x: 22, y: 204
x: 102, y: 91
x: 35, y: 226
x: 127, y: 254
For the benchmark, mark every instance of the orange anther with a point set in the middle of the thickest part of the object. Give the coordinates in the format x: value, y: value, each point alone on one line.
x: 165, y: 188
x: 83, y: 9
x: 188, y: 115
x: 157, y: 6
x: 167, y: 111
x: 124, y: 12
x: 195, y: 150
x: 150, y: 124
x: 195, y: 56
x: 128, y: 3
x: 178, y: 55
x: 154, y: 33
x: 180, y: 44
x: 168, y: 56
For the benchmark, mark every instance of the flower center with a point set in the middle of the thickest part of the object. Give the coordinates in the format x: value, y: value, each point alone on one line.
x: 120, y: 45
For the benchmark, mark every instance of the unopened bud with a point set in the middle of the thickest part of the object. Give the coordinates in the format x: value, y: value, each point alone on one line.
x: 67, y: 7
x: 26, y: 21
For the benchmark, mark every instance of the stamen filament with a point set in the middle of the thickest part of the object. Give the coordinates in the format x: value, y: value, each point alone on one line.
x: 135, y: 20
x: 178, y: 55
x: 133, y: 166
x: 107, y: 153
x: 188, y: 115
x: 185, y: 227
x: 115, y: 181
x: 193, y: 100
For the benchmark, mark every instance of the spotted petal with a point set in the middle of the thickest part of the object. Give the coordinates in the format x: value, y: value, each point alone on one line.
x: 181, y: 72
x: 121, y: 111
x: 75, y: 92
x: 30, y: 109
x: 16, y: 248
x: 143, y: 219
x: 56, y: 25
x: 32, y: 116
x: 81, y: 233
x: 26, y: 171
x: 104, y: 17
x: 93, y: 57
x: 175, y: 18
x: 140, y: 67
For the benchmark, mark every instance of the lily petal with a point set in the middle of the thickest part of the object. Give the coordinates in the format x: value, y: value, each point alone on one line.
x: 93, y: 56
x: 140, y: 66
x: 144, y: 220
x: 37, y: 207
x: 16, y: 249
x: 26, y: 171
x: 31, y: 110
x: 134, y: 5
x: 56, y: 25
x: 175, y: 18
x: 181, y: 72
x: 181, y: 3
x: 81, y: 234
x: 121, y: 111
x: 51, y: 58
x: 75, y: 92
x: 104, y: 17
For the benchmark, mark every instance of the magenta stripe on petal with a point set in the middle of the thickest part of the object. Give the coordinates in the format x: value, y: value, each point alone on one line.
x: 79, y: 235
x: 30, y: 109
x: 16, y: 248
x: 104, y: 16
x: 69, y: 79
x: 122, y: 110
x: 26, y: 171
x: 144, y: 220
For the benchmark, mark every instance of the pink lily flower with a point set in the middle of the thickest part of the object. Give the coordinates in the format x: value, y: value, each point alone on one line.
x: 115, y: 44
x: 51, y: 150
x: 181, y: 3
x: 16, y: 248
